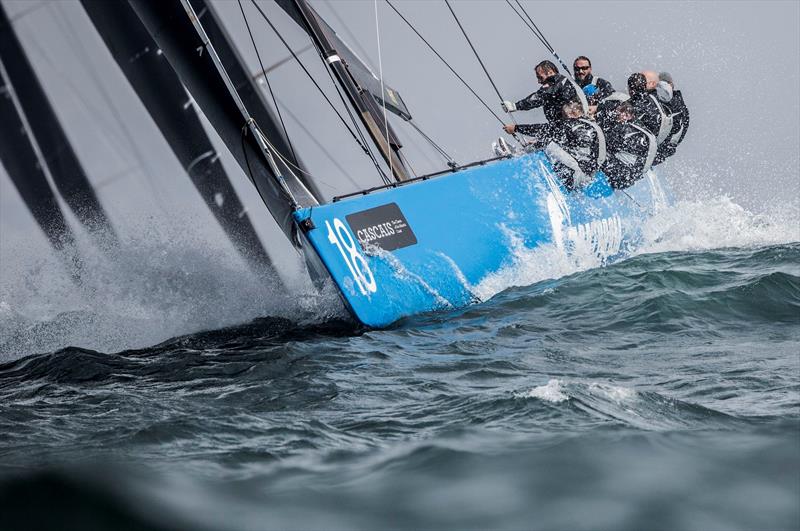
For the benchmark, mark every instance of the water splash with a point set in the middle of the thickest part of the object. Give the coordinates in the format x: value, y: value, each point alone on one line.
x: 160, y: 283
x: 553, y: 392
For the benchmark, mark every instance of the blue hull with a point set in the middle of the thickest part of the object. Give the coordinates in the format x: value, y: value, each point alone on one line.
x: 426, y: 245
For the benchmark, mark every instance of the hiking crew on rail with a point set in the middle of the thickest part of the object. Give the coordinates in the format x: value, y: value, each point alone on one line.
x: 590, y: 126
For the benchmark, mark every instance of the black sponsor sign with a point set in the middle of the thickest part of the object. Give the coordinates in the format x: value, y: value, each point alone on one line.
x: 385, y: 227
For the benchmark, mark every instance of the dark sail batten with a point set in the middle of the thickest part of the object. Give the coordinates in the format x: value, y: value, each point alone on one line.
x: 176, y: 30
x: 56, y: 151
x: 20, y: 157
x: 161, y: 92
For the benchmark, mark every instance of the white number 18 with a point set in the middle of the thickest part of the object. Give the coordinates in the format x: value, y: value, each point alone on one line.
x: 357, y: 264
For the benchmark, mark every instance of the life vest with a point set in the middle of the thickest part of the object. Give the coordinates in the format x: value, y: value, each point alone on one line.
x: 601, y: 141
x: 558, y: 154
x: 651, y: 149
x: 580, y: 93
x: 666, y: 121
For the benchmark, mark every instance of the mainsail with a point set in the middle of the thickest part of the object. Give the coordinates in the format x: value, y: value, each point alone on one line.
x: 20, y: 159
x: 56, y: 151
x: 171, y: 108
x: 172, y: 26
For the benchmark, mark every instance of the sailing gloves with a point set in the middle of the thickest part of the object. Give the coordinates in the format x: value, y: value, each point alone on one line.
x: 508, y: 106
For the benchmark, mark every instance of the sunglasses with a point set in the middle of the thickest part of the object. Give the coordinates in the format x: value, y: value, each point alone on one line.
x: 582, y: 67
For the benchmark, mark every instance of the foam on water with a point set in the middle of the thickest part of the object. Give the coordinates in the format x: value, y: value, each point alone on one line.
x: 553, y: 391
x: 685, y: 226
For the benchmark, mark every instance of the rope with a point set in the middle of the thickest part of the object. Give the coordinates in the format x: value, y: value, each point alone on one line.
x: 488, y: 75
x: 450, y: 161
x: 539, y: 34
x: 478, y: 57
x: 445, y: 62
x: 266, y: 79
x: 363, y: 144
x: 383, y: 91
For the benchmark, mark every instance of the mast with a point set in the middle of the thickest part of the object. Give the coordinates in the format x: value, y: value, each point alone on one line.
x: 55, y: 149
x: 161, y: 92
x: 332, y: 48
x: 20, y: 157
x: 176, y: 29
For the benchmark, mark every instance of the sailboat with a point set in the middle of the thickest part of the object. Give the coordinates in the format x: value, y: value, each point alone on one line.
x: 412, y: 245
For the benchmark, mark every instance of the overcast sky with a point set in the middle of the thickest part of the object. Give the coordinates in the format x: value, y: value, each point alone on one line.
x: 736, y: 62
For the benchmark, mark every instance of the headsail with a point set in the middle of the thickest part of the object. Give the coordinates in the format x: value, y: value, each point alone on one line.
x: 56, y: 151
x: 173, y: 27
x: 169, y: 105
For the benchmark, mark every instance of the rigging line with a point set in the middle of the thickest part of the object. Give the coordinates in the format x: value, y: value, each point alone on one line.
x: 474, y: 51
x: 266, y: 79
x: 450, y: 160
x: 363, y: 144
x: 352, y: 38
x: 521, y: 139
x: 445, y: 62
x: 383, y: 91
x: 539, y: 32
x: 407, y: 163
x: 547, y: 44
x: 274, y: 66
x: 319, y: 144
x: 535, y: 33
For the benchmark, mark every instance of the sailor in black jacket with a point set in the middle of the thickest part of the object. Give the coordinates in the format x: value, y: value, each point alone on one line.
x: 631, y: 149
x: 680, y: 117
x: 556, y: 90
x: 574, y: 144
x: 595, y: 88
x: 648, y: 111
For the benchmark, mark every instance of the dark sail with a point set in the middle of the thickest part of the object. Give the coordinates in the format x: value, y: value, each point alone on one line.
x: 361, y: 86
x: 174, y: 32
x: 249, y: 91
x: 62, y: 162
x: 169, y: 105
x: 19, y: 157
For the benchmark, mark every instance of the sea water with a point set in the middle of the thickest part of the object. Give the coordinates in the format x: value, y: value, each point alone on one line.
x: 659, y: 392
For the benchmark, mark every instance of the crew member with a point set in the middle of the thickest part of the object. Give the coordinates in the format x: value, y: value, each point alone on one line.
x: 556, y: 90
x: 680, y: 118
x: 574, y: 144
x: 595, y: 88
x: 631, y: 149
x: 648, y: 110
x: 604, y: 112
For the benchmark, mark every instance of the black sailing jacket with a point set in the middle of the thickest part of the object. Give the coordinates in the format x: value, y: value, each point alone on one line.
x: 631, y: 151
x: 551, y: 98
x: 680, y: 124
